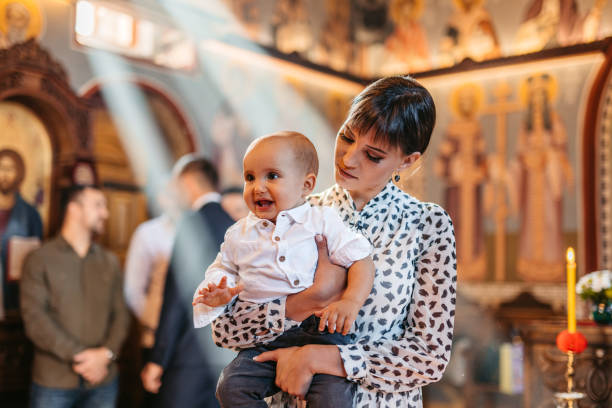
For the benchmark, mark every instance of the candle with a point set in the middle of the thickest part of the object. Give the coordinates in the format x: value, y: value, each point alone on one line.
x: 571, y: 290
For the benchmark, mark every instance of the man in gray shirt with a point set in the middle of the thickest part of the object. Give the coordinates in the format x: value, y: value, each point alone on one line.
x: 73, y: 310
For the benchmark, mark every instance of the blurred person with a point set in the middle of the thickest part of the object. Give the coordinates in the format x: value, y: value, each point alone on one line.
x: 179, y: 370
x: 233, y: 203
x: 73, y: 309
x: 146, y: 264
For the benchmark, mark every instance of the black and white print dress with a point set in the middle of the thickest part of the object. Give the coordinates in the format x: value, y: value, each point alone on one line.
x: 405, y: 328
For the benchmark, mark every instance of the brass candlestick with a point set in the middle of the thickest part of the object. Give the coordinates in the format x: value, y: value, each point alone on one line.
x: 570, y: 398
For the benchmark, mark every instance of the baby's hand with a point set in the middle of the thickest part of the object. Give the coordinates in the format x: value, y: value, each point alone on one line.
x: 217, y: 295
x: 339, y: 316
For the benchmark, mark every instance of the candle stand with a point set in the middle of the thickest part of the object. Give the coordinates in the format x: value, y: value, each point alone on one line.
x: 570, y: 398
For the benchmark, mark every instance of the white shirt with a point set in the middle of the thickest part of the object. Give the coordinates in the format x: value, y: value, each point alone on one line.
x: 277, y: 260
x: 212, y: 197
x: 152, y: 240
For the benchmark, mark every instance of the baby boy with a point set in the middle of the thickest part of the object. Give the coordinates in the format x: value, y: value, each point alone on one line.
x: 271, y: 253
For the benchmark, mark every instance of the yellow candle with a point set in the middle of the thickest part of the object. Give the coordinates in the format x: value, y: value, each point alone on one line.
x: 571, y: 290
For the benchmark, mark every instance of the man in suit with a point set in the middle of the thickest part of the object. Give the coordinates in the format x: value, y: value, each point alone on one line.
x: 184, y: 363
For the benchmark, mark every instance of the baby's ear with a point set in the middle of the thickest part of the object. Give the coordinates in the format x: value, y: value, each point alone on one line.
x: 309, y: 184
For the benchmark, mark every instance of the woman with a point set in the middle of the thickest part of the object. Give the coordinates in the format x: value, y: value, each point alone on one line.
x: 405, y: 328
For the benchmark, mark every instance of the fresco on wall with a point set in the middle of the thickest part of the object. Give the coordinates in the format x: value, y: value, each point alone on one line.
x: 505, y: 157
x: 543, y: 172
x: 469, y: 33
x: 550, y: 23
x: 20, y: 20
x: 461, y: 165
x: 371, y: 38
x: 406, y: 48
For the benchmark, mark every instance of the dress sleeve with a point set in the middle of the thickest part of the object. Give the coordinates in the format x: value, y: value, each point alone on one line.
x: 421, y: 354
x: 244, y: 324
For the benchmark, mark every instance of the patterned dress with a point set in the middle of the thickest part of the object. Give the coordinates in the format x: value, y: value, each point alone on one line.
x: 405, y: 327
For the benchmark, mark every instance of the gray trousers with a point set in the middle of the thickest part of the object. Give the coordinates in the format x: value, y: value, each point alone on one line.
x: 245, y: 383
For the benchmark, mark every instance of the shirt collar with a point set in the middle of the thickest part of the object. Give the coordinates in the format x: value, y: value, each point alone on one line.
x: 201, y: 201
x: 297, y: 214
x: 65, y: 245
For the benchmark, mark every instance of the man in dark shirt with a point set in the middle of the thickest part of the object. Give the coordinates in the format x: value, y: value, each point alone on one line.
x: 73, y: 310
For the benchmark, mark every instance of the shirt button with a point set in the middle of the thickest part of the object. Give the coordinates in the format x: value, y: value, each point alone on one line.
x: 282, y: 258
x: 277, y: 239
x: 265, y: 223
x: 296, y: 282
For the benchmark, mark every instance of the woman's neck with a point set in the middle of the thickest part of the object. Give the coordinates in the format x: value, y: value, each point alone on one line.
x: 362, y: 197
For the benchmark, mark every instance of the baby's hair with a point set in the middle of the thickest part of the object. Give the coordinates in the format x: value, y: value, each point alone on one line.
x: 303, y: 150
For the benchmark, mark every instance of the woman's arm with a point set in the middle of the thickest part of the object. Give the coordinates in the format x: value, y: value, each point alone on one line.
x: 421, y: 354
x: 244, y: 324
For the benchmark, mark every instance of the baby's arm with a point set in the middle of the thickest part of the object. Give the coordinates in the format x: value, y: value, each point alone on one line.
x: 340, y: 315
x: 217, y: 295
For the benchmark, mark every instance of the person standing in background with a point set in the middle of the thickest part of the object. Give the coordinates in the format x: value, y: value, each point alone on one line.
x: 73, y: 310
x: 180, y: 370
x: 233, y: 202
x: 146, y: 264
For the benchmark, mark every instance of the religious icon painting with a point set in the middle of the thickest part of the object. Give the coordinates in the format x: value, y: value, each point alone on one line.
x: 25, y: 134
x: 20, y: 20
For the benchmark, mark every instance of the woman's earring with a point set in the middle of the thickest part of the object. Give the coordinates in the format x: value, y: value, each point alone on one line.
x: 397, y: 177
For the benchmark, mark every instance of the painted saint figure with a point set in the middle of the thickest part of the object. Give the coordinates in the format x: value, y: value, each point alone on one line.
x: 17, y: 219
x: 469, y: 34
x: 542, y: 169
x: 461, y: 163
x: 406, y: 47
x: 549, y: 23
x: 334, y: 47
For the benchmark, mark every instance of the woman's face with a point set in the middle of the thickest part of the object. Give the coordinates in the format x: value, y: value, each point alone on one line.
x: 363, y: 166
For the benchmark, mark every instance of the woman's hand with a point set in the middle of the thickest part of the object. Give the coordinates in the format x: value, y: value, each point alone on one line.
x: 295, y: 366
x: 293, y: 370
x: 329, y: 283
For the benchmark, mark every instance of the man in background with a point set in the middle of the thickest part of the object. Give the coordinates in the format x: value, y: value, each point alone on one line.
x: 73, y: 310
x: 181, y: 370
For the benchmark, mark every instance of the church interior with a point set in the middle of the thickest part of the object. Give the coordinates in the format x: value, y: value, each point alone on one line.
x: 113, y: 92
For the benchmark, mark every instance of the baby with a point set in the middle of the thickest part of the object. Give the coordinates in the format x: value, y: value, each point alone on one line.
x: 272, y: 253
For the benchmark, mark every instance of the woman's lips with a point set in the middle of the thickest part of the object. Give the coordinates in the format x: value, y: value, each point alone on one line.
x: 345, y: 174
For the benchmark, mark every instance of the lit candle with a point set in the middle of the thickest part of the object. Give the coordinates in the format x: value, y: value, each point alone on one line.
x: 571, y: 290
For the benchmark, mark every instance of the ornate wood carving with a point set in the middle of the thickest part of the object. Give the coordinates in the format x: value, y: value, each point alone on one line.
x: 28, y: 71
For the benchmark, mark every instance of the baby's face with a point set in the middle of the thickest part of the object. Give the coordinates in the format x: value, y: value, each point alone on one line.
x: 273, y: 181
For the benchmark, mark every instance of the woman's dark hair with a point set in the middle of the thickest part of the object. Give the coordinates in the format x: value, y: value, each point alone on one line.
x: 399, y: 109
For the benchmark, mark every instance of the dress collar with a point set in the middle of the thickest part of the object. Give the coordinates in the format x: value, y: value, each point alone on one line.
x: 388, y: 194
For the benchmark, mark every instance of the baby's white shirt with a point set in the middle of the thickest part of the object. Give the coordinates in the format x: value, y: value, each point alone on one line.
x: 276, y: 260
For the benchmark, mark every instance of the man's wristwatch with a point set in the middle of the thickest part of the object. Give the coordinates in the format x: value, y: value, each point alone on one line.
x: 110, y: 355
